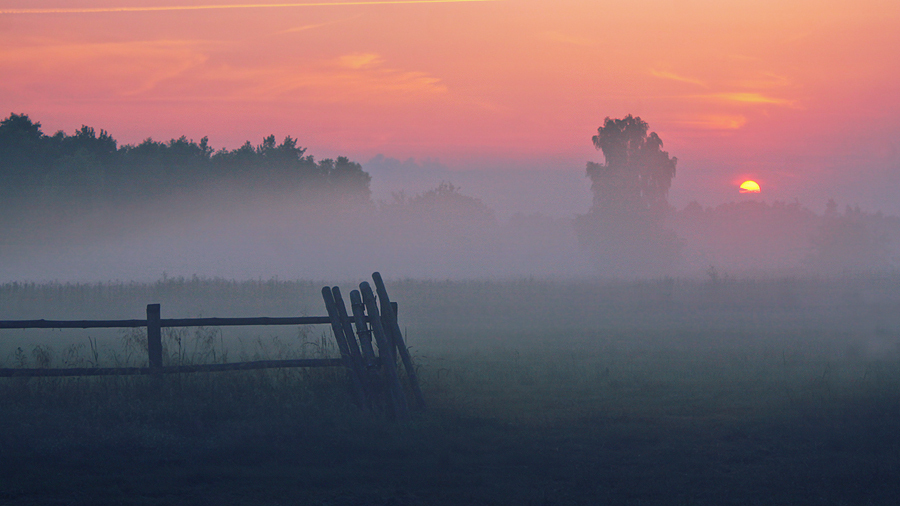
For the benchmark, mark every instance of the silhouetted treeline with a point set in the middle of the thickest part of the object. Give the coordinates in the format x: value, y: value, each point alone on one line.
x: 88, y: 166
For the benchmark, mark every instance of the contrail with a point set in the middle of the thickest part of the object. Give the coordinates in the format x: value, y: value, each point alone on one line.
x: 93, y: 10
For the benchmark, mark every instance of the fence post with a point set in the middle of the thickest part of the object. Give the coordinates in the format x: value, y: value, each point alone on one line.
x: 338, y: 330
x: 348, y: 329
x: 363, y: 332
x: 385, y: 353
x: 393, y: 327
x: 356, y: 357
x: 154, y: 337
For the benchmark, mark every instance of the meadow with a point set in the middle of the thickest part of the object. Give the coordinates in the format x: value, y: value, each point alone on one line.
x: 665, y: 391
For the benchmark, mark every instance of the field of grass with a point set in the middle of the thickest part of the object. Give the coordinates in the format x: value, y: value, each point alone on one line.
x: 783, y: 391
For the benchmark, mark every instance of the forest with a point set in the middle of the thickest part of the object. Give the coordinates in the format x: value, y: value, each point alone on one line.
x: 91, y: 166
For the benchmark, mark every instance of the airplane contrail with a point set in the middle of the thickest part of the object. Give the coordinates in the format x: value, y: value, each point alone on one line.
x: 94, y: 10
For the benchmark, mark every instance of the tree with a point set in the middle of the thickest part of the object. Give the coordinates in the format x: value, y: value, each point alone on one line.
x: 20, y: 140
x: 345, y: 179
x: 637, y: 175
x: 624, y: 229
x: 23, y: 154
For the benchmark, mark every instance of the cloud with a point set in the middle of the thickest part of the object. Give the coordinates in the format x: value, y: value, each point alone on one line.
x: 360, y: 60
x: 303, y: 28
x: 100, y: 10
x: 748, y: 98
x: 120, y: 68
x: 201, y: 71
x: 354, y: 77
x: 675, y: 77
x: 766, y: 80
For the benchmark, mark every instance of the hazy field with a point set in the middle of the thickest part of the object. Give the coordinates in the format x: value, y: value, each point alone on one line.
x: 720, y: 391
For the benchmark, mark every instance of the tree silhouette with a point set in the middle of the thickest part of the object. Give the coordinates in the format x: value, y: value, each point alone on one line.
x: 24, y: 154
x: 345, y: 179
x: 637, y: 175
x: 84, y: 168
x: 624, y: 228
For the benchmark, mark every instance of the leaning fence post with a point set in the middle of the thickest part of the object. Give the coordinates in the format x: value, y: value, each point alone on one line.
x: 359, y: 365
x: 385, y: 352
x: 348, y: 329
x: 393, y: 327
x: 377, y: 386
x: 363, y: 332
x: 338, y: 330
x: 154, y: 337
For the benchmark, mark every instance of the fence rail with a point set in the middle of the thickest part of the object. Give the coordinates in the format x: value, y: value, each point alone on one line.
x: 163, y: 322
x: 171, y: 369
x: 374, y: 377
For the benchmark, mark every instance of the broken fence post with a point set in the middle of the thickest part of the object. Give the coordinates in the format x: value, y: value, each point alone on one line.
x: 387, y: 310
x: 338, y: 330
x: 385, y: 352
x: 350, y: 337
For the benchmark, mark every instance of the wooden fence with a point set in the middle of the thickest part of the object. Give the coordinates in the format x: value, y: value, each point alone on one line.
x: 373, y: 370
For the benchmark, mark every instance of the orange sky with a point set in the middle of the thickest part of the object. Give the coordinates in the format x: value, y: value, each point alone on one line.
x: 801, y: 96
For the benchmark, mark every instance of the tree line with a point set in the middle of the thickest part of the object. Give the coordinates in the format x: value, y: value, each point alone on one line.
x: 630, y: 228
x: 92, y: 165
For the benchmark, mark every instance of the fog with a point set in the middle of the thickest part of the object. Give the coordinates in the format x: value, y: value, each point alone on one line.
x: 439, y: 233
x: 550, y: 187
x: 235, y: 234
x: 80, y: 208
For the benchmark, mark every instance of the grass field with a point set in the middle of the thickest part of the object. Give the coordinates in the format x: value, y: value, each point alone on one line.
x: 783, y: 391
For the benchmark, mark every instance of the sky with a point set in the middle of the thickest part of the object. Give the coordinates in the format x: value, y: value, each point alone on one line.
x: 801, y: 96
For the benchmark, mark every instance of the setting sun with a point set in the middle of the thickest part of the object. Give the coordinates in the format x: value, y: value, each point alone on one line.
x: 749, y: 187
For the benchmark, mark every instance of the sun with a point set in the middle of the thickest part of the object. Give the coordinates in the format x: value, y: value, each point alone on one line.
x: 749, y: 187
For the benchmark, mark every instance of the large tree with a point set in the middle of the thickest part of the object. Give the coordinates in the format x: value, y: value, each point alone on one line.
x: 637, y: 175
x: 624, y: 229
